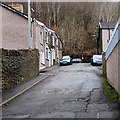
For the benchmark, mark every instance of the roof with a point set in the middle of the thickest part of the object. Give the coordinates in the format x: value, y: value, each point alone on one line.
x: 39, y: 23
x: 107, y: 25
x: 50, y: 30
x: 46, y: 28
x: 14, y: 10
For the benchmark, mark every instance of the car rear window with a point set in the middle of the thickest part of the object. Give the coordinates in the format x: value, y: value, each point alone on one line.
x: 65, y: 58
x: 97, y: 56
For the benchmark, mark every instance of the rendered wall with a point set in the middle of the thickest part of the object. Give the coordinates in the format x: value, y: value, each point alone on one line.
x: 14, y: 30
x: 113, y: 68
x: 105, y: 38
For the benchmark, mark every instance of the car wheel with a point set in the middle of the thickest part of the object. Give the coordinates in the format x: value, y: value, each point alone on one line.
x: 60, y: 64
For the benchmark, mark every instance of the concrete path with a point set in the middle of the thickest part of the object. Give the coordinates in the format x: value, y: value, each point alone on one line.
x: 73, y: 91
x: 12, y: 93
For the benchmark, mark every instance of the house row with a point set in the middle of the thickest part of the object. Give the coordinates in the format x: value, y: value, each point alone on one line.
x: 15, y: 36
x: 48, y: 43
x: 110, y: 33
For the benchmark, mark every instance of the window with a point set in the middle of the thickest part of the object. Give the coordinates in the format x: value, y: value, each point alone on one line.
x: 46, y: 36
x: 57, y: 41
x: 46, y: 53
x: 41, y: 37
x: 53, y: 40
x: 42, y: 57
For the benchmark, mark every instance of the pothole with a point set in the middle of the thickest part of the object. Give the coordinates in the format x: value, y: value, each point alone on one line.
x: 80, y: 71
x: 54, y: 90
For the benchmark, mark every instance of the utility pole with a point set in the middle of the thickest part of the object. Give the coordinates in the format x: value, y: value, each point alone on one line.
x: 12, y: 3
x: 29, y: 26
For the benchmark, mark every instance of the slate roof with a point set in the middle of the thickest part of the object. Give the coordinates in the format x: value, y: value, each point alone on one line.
x: 107, y: 25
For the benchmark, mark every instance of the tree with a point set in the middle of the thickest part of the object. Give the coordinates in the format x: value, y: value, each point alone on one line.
x: 76, y: 23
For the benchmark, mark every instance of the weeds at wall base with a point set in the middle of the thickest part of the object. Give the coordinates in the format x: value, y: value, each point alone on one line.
x: 110, y: 92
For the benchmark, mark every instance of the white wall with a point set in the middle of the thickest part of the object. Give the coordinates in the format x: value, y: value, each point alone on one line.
x: 105, y: 38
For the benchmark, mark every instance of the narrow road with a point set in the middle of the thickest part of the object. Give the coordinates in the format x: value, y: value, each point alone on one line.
x: 73, y: 91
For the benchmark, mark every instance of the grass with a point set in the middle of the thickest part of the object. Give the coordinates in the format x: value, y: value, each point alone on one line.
x: 110, y: 92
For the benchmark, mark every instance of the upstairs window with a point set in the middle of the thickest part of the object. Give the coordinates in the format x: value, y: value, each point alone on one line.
x: 41, y: 37
x: 53, y: 41
x: 46, y: 36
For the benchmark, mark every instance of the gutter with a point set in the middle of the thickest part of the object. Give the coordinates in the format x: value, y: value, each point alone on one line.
x: 14, y: 11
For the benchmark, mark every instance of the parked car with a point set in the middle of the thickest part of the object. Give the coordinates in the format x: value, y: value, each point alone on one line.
x: 65, y: 60
x: 96, y: 60
x: 76, y: 60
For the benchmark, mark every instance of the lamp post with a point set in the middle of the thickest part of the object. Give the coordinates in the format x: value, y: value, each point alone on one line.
x: 29, y: 26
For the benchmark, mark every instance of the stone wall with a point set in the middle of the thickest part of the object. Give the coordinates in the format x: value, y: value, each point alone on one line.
x: 18, y: 66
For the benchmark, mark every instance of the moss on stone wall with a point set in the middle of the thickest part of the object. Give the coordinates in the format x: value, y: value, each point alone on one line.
x: 18, y: 66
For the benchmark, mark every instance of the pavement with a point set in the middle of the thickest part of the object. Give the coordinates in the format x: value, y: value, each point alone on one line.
x: 12, y: 93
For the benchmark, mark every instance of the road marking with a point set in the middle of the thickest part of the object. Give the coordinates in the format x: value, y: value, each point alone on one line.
x: 98, y: 115
x: 3, y: 103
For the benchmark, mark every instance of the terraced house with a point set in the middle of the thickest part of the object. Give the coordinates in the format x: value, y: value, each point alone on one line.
x: 48, y: 43
x: 15, y: 36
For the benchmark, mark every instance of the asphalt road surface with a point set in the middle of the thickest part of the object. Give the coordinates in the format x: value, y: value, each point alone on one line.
x: 72, y: 91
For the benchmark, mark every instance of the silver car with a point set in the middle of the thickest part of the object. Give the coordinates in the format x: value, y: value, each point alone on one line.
x: 96, y: 60
x: 65, y: 60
